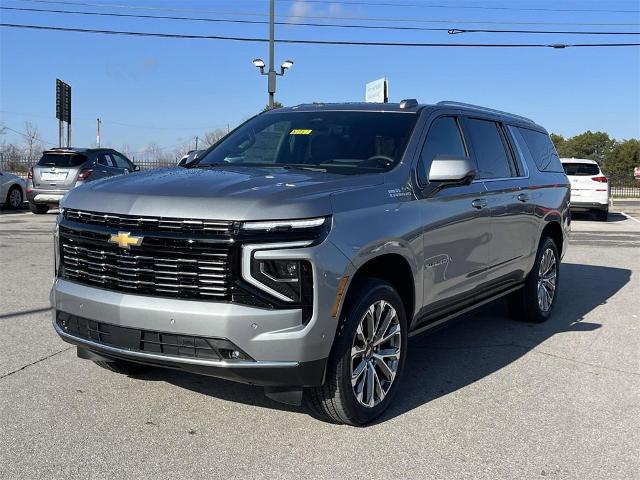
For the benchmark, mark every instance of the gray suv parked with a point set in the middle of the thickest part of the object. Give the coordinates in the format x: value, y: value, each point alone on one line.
x: 61, y: 169
x: 301, y: 251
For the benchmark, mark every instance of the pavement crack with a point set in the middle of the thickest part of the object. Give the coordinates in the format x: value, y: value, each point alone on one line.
x: 36, y: 362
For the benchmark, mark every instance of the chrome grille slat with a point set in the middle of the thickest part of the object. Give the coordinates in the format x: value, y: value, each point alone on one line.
x: 142, y: 224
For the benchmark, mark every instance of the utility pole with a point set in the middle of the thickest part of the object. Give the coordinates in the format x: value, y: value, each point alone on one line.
x: 272, y: 71
x: 60, y: 133
x: 98, y: 132
x: 196, y: 142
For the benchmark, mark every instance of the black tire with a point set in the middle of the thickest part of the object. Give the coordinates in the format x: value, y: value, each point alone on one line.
x: 602, y: 215
x: 14, y: 198
x: 38, y: 209
x: 125, y: 368
x: 523, y: 304
x: 336, y: 400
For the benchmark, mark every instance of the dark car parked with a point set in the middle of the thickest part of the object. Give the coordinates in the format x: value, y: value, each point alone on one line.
x: 61, y: 169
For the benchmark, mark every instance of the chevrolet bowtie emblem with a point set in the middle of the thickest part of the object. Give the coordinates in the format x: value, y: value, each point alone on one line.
x: 125, y: 240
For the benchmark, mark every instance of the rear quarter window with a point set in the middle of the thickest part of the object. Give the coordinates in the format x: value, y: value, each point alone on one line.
x: 62, y: 160
x: 540, y: 148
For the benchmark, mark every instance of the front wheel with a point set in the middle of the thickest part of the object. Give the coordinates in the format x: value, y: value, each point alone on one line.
x: 535, y: 301
x: 368, y: 357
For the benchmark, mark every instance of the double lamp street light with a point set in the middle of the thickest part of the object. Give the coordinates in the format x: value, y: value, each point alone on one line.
x: 272, y: 74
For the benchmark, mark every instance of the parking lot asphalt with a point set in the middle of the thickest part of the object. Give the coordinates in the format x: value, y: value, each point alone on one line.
x: 485, y: 397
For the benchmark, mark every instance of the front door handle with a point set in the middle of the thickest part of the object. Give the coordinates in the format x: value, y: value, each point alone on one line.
x: 479, y: 203
x: 523, y: 197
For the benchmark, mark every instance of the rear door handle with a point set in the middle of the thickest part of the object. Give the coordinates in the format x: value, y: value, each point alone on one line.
x: 523, y: 197
x: 479, y: 203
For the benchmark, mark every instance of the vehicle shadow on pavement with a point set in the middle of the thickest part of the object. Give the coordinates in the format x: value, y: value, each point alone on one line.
x: 459, y: 354
x: 482, y: 343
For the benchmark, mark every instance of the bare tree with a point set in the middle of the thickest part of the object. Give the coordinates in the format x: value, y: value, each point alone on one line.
x: 213, y: 136
x: 33, y: 142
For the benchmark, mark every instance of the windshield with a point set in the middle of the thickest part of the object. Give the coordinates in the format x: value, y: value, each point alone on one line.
x: 583, y: 169
x: 62, y: 160
x: 339, y: 142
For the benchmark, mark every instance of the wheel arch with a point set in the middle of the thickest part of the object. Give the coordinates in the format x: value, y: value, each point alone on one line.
x: 392, y: 268
x: 553, y: 230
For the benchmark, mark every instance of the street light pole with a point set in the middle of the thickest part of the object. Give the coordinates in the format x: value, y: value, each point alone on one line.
x: 272, y: 71
x: 259, y: 63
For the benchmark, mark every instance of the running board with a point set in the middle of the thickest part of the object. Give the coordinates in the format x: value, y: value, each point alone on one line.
x: 457, y: 313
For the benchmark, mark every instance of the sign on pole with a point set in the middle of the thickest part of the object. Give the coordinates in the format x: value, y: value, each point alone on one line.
x: 377, y: 91
x: 63, y: 108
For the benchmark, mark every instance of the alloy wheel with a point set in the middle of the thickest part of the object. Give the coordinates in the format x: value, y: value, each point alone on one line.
x: 547, y: 280
x: 15, y: 198
x: 375, y: 353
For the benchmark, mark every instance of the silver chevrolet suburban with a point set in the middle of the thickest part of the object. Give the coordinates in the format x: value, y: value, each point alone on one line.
x: 302, y: 250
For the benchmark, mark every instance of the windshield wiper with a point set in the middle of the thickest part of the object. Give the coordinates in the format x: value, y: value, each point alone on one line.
x: 302, y: 167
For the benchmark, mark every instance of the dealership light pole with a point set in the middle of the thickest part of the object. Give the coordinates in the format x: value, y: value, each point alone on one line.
x: 259, y: 63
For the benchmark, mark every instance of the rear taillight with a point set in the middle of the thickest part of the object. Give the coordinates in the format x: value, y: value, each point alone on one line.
x: 30, y: 174
x: 599, y: 179
x: 84, y: 173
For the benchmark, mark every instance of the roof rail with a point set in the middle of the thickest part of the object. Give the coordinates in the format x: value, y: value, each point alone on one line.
x: 483, y: 109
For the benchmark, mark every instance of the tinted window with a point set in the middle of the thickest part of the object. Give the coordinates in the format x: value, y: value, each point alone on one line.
x: 581, y: 169
x: 62, y: 160
x: 443, y: 139
x: 105, y: 159
x: 339, y: 142
x: 542, y: 150
x: 492, y: 158
x: 120, y: 161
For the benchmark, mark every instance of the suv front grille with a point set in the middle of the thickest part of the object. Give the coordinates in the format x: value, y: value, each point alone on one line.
x: 167, y: 265
x: 150, y: 224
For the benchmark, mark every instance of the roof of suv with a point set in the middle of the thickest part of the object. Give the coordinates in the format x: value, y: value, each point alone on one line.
x: 578, y: 160
x: 64, y: 150
x: 408, y: 106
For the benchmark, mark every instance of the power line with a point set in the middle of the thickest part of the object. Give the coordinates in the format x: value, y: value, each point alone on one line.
x: 300, y: 24
x: 312, y: 42
x: 109, y: 122
x: 325, y: 17
x: 475, y: 7
x: 26, y: 136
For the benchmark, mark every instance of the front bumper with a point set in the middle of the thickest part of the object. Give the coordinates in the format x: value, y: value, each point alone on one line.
x: 263, y: 373
x: 285, y: 350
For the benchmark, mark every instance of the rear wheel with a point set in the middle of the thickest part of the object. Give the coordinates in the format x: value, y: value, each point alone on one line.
x: 14, y: 197
x: 124, y: 367
x: 535, y: 301
x: 368, y: 358
x: 38, y: 209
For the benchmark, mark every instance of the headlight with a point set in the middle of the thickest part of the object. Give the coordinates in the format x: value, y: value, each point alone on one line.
x: 284, y: 224
x: 284, y: 279
x: 288, y: 279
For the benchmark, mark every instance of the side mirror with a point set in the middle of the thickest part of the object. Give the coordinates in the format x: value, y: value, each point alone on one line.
x: 446, y: 171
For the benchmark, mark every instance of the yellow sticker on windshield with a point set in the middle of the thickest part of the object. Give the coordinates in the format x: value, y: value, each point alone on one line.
x: 300, y: 131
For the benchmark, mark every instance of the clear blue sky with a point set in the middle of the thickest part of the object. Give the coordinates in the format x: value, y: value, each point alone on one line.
x: 177, y: 89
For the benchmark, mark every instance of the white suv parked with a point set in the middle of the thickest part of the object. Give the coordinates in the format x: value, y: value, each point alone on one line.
x: 589, y: 186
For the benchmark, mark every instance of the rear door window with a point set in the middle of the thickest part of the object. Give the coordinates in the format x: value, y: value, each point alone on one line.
x: 581, y: 169
x: 120, y: 161
x: 492, y: 156
x: 105, y: 160
x: 62, y: 160
x: 444, y: 139
x: 541, y: 149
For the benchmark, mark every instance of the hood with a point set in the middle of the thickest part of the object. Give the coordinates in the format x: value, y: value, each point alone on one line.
x: 221, y: 193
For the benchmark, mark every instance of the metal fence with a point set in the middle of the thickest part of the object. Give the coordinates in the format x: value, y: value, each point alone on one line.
x: 624, y: 187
